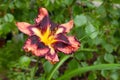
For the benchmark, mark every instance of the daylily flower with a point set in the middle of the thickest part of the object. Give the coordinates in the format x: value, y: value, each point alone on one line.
x: 47, y: 38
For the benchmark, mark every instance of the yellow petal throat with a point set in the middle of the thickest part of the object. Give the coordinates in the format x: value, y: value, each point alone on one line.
x: 47, y: 38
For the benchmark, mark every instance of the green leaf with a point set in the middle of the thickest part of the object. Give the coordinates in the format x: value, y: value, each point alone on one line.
x: 0, y: 27
x: 99, y: 60
x: 98, y: 41
x: 90, y: 5
x: 11, y: 5
x: 108, y: 48
x: 105, y: 73
x: 109, y: 58
x: 84, y: 64
x: 81, y: 70
x: 47, y: 66
x: 3, y: 6
x: 68, y: 2
x: 88, y: 55
x: 8, y: 17
x: 56, y: 74
x: 116, y: 1
x: 80, y: 20
x: 115, y: 75
x: 101, y: 11
x: 73, y: 64
x: 24, y: 61
x: 46, y: 2
x: 6, y: 28
x: 92, y: 76
x: 91, y: 31
x: 19, y: 4
x: 80, y: 56
x: 1, y: 30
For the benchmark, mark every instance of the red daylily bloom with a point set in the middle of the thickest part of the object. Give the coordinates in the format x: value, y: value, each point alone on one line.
x: 47, y: 38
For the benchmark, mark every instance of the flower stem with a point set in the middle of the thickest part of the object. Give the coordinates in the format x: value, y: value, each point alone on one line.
x: 88, y: 50
x: 57, y: 66
x: 34, y: 69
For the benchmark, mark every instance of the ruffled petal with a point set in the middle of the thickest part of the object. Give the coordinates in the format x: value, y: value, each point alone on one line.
x: 74, y: 43
x: 52, y: 56
x: 62, y: 38
x: 24, y: 27
x: 65, y: 27
x: 34, y: 45
x: 43, y: 20
x: 68, y: 45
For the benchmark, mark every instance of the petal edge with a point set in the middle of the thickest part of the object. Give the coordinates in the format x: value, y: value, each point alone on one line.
x: 67, y: 47
x: 24, y: 27
x: 66, y: 27
x: 42, y: 12
x: 33, y: 45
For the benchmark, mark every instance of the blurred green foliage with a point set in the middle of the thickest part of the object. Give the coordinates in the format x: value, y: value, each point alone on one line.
x: 96, y: 26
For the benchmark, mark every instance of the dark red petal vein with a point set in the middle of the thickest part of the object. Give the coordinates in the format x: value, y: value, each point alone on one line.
x: 53, y: 58
x: 43, y: 20
x: 62, y: 37
x: 67, y: 47
x: 34, y: 45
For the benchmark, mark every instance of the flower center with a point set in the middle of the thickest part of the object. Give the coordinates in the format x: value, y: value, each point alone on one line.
x: 47, y: 38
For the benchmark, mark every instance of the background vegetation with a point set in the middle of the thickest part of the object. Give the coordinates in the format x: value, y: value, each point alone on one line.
x: 97, y: 26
